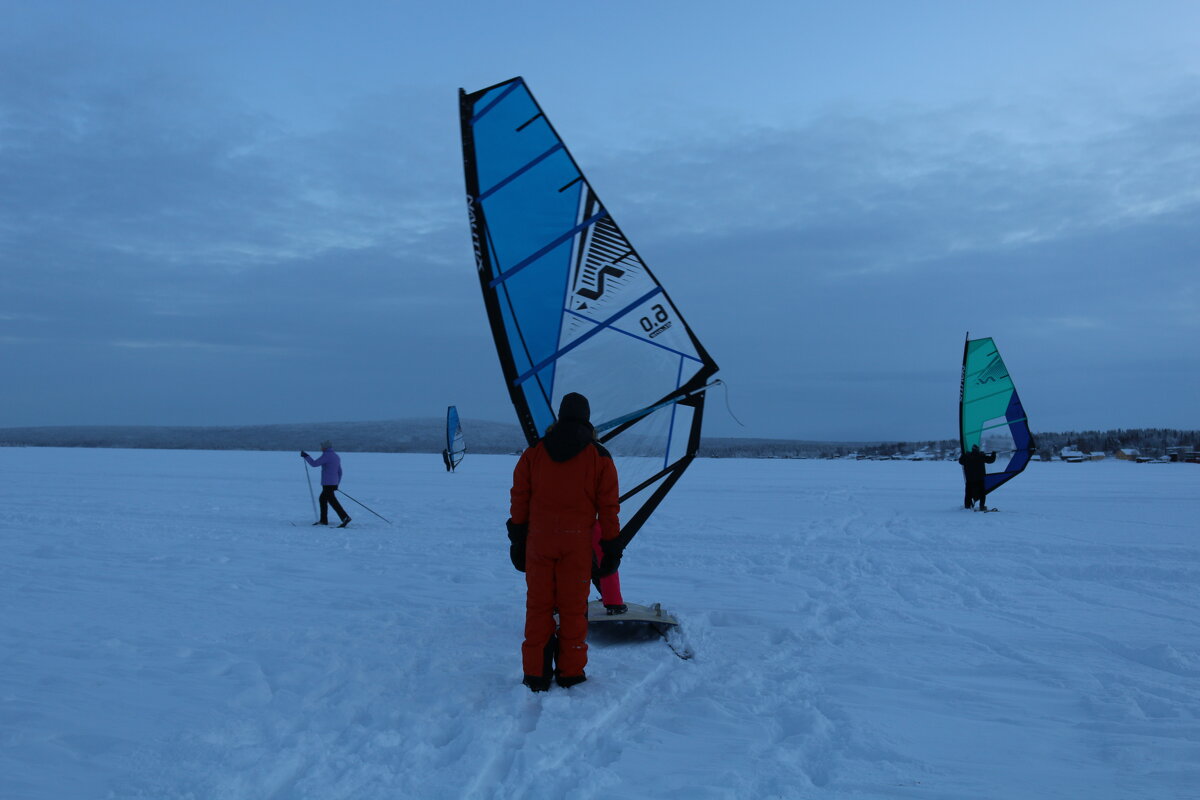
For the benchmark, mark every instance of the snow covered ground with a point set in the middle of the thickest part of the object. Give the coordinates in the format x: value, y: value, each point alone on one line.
x: 167, y: 632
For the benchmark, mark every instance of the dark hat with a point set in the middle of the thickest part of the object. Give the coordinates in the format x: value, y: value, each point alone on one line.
x: 575, y: 406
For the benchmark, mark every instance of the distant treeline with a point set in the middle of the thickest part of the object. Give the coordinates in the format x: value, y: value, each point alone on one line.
x: 388, y: 436
x: 428, y: 436
x: 780, y: 448
x: 1151, y: 442
x: 1147, y: 441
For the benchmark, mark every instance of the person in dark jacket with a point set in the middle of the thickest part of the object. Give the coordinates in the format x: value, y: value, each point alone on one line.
x: 331, y: 475
x: 563, y: 486
x: 974, y: 471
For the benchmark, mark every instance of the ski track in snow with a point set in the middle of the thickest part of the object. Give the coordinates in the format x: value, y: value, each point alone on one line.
x: 176, y: 630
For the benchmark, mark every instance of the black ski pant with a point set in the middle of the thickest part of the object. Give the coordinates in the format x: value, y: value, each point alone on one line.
x: 975, y: 491
x: 329, y: 498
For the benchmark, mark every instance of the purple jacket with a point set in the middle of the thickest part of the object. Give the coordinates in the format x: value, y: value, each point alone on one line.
x: 331, y: 467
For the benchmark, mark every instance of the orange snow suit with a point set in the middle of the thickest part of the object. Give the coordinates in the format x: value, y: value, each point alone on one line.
x: 561, y: 500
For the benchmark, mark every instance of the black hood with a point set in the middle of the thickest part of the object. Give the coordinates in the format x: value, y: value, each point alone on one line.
x: 567, y: 438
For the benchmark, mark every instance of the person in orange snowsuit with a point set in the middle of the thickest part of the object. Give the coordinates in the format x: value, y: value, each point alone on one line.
x: 562, y: 486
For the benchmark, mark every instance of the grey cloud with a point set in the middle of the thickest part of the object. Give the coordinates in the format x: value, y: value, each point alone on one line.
x: 859, y: 251
x: 874, y: 194
x: 267, y: 274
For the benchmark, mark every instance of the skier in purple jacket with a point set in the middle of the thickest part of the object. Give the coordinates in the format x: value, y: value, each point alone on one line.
x: 331, y: 475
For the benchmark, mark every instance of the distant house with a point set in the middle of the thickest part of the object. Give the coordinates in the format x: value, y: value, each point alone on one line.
x: 1128, y: 454
x: 1069, y: 453
x: 1096, y: 456
x: 1181, y: 453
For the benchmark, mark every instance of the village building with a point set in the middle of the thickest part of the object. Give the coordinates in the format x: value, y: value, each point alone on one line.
x: 1072, y: 455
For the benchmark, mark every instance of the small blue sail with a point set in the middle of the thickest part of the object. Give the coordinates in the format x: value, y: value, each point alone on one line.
x: 572, y: 306
x: 456, y: 446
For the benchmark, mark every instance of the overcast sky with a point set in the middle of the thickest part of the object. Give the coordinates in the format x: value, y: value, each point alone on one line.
x: 242, y: 213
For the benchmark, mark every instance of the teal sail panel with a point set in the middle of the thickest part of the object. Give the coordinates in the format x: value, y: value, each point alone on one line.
x: 572, y: 306
x: 991, y: 414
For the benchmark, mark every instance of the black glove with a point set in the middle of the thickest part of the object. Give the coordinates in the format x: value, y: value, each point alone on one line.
x: 516, y: 550
x: 611, y: 561
x: 303, y: 454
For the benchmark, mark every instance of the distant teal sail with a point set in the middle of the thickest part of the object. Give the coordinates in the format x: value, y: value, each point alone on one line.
x: 991, y: 414
x: 456, y: 445
x: 572, y: 306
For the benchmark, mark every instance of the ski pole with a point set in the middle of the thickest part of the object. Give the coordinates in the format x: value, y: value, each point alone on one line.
x: 311, y: 496
x: 348, y: 497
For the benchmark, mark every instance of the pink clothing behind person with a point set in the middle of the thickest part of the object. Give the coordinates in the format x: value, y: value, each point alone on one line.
x: 610, y: 585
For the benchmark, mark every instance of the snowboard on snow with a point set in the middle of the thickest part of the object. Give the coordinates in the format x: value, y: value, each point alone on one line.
x: 636, y: 615
x: 639, y: 621
x: 598, y: 614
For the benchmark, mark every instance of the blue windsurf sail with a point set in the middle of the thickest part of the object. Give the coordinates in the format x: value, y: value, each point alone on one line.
x: 572, y: 306
x: 456, y: 446
x: 990, y: 413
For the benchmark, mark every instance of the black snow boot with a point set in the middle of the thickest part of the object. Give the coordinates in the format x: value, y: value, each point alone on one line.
x: 537, y: 683
x: 345, y: 522
x: 567, y: 681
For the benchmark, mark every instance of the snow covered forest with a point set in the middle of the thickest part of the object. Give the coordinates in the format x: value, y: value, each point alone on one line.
x: 427, y: 435
x: 1151, y: 442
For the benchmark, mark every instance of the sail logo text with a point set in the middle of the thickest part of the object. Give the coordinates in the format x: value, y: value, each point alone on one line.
x: 660, y: 322
x: 475, y: 234
x: 595, y: 294
x: 660, y: 330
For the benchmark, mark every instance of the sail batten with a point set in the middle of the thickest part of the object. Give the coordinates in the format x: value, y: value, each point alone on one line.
x: 639, y: 338
x: 600, y: 327
x: 521, y: 171
x: 510, y: 88
x: 558, y: 242
x: 572, y: 306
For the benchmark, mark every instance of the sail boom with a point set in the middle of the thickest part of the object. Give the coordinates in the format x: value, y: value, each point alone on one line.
x: 642, y: 412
